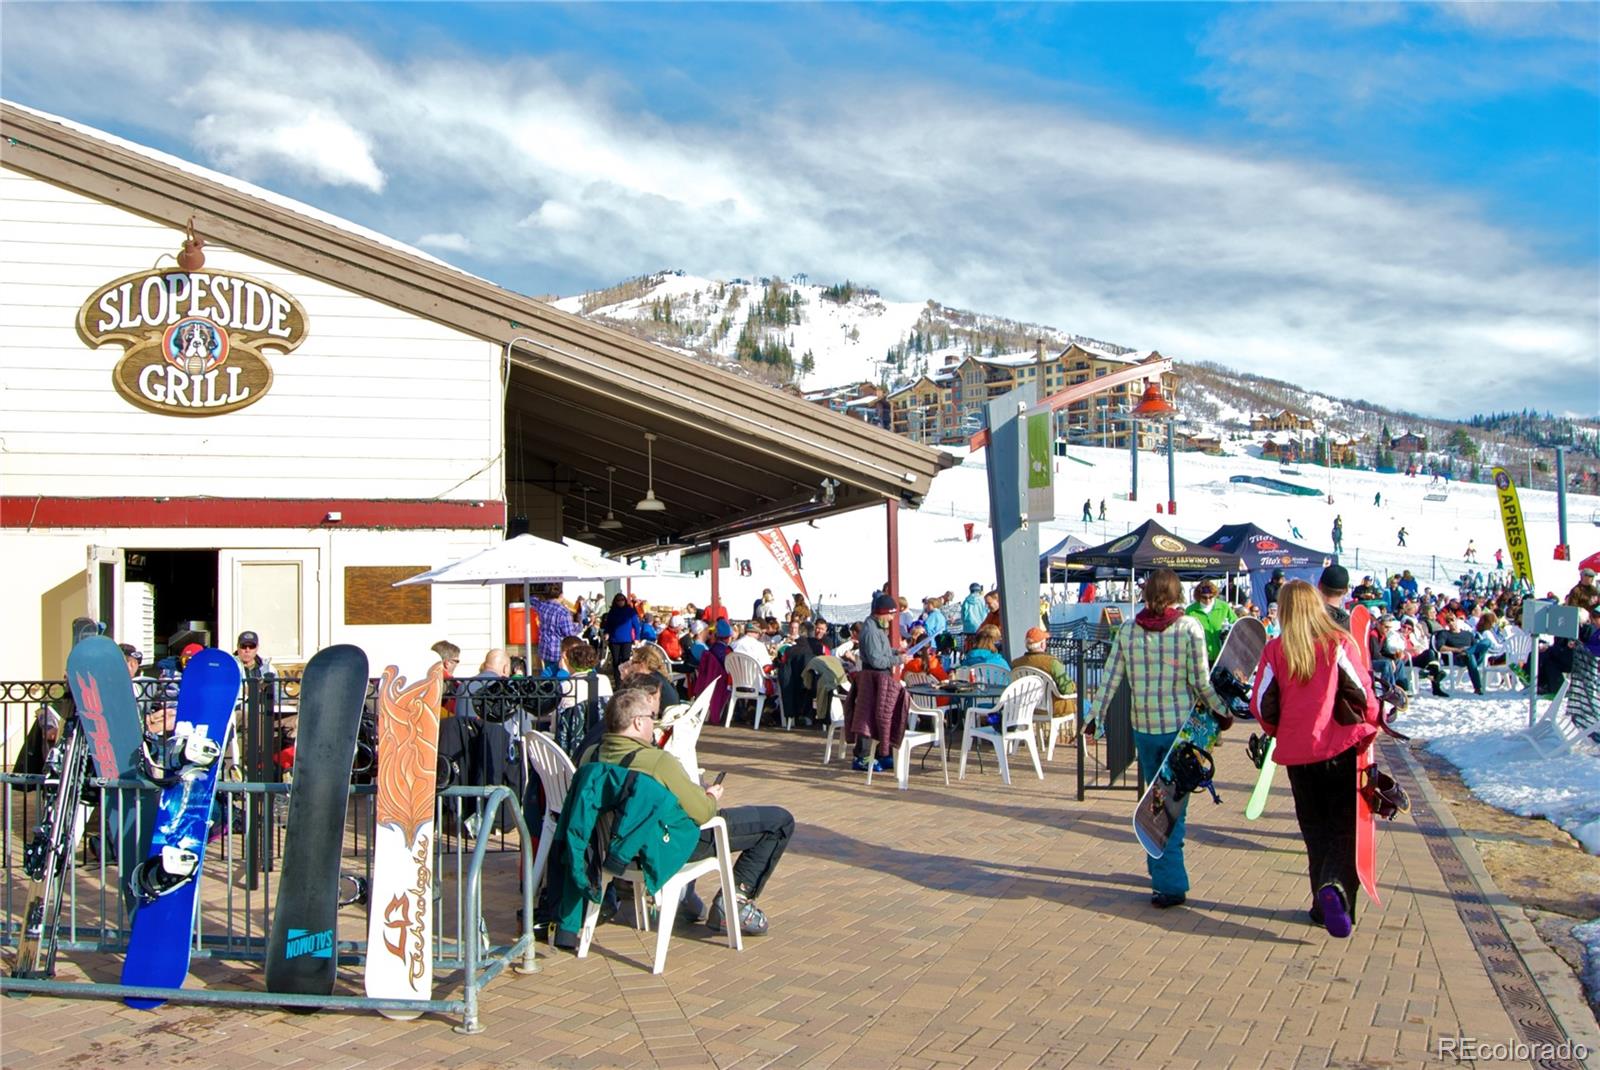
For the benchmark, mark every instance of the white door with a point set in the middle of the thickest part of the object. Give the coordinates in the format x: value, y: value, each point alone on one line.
x: 274, y: 593
x: 105, y: 569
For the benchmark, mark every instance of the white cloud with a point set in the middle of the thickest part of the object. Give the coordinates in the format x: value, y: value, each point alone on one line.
x: 1041, y: 213
x: 446, y: 243
x: 1284, y: 64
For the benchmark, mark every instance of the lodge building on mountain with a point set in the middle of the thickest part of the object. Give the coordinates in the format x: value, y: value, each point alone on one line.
x: 945, y: 405
x: 267, y: 430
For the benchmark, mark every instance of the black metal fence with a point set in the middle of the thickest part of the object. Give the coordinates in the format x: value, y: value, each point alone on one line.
x: 479, y: 740
x: 1105, y: 738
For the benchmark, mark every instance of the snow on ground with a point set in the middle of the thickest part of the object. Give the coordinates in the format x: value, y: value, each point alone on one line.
x: 1480, y: 737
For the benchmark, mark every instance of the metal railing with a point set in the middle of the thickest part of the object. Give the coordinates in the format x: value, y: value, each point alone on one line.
x: 483, y: 789
x: 233, y: 919
x: 1105, y: 752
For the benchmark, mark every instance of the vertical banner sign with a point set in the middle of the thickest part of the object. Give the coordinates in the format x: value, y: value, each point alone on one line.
x: 778, y: 547
x: 1511, y: 520
x: 1041, y: 465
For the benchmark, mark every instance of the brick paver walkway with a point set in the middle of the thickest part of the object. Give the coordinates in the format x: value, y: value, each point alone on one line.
x: 970, y: 926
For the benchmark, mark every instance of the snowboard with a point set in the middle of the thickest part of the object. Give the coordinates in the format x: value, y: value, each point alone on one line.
x: 1258, y: 797
x: 1163, y: 802
x: 167, y: 882
x: 47, y: 857
x: 1366, y: 820
x: 400, y: 925
x: 109, y: 714
x: 302, y: 946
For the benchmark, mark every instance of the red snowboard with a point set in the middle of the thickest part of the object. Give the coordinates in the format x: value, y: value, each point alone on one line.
x: 1366, y: 820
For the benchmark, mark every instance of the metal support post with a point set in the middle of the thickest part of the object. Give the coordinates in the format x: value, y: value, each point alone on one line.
x: 1172, y: 478
x: 1133, y: 460
x: 892, y: 530
x: 1016, y: 541
x: 1563, y: 548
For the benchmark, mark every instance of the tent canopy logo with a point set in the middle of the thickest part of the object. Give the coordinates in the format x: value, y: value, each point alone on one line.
x: 194, y: 342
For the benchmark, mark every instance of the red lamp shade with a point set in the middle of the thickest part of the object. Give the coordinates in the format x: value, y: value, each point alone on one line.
x: 1153, y: 405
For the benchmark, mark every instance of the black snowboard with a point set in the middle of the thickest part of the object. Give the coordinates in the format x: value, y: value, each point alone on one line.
x: 302, y: 951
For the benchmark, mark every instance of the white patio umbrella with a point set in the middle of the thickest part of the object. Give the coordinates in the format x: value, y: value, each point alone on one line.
x: 526, y: 559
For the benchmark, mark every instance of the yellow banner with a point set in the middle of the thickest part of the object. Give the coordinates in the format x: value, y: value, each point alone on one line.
x: 1511, y: 520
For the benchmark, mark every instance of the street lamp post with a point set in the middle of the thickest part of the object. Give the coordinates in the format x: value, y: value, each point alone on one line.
x: 1155, y: 407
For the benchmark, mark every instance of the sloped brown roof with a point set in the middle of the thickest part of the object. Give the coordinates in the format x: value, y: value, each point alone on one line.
x: 733, y: 455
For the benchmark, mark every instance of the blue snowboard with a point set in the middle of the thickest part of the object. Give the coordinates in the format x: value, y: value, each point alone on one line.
x: 163, y: 927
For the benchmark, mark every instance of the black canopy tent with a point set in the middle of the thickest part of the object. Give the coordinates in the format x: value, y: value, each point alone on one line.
x: 1053, y: 562
x: 1263, y: 552
x: 1146, y: 548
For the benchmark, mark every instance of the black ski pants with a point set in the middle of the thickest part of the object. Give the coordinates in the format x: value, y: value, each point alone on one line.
x: 758, y: 835
x: 1325, y: 804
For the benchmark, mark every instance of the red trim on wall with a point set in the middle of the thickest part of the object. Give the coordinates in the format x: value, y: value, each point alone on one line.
x: 17, y: 511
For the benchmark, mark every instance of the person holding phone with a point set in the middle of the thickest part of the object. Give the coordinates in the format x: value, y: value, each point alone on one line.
x: 758, y: 834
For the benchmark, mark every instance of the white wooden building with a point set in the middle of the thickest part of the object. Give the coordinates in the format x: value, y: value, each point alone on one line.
x: 356, y: 417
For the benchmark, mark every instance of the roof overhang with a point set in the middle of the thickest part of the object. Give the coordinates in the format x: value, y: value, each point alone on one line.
x: 733, y: 455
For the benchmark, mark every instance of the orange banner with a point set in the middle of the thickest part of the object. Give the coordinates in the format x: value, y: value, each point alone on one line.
x: 778, y: 547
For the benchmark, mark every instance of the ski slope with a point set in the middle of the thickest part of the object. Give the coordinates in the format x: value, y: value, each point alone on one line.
x: 845, y: 557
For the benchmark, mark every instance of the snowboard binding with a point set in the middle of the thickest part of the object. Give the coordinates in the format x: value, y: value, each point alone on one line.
x: 1191, y: 768
x: 1384, y: 797
x: 165, y: 762
x: 356, y: 890
x: 1256, y: 749
x: 165, y: 873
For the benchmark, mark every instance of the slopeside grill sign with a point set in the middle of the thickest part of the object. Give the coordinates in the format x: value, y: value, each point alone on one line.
x: 193, y: 342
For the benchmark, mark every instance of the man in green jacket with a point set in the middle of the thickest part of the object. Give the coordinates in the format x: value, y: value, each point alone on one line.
x: 758, y: 833
x: 1215, y: 616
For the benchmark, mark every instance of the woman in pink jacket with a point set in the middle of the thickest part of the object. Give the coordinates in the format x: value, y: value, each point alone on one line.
x: 1314, y: 694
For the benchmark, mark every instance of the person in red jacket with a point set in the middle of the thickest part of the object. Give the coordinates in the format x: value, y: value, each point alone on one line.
x: 1314, y: 696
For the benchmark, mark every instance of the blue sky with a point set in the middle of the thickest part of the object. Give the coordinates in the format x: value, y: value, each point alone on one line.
x: 1316, y: 191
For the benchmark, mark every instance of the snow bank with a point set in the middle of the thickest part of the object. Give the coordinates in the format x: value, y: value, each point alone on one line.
x: 1479, y: 736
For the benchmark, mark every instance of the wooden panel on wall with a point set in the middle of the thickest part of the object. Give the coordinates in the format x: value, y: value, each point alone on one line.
x: 370, y: 596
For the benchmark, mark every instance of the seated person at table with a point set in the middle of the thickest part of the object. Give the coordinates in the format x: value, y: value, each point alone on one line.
x: 849, y: 652
x: 579, y: 661
x: 647, y: 662
x: 751, y: 642
x: 926, y: 660
x: 1038, y: 658
x: 758, y: 833
x: 985, y: 649
x: 671, y: 637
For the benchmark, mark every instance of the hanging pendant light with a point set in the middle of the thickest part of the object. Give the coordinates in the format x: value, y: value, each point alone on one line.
x: 650, y: 503
x: 1153, y: 406
x: 610, y: 523
x: 585, y: 532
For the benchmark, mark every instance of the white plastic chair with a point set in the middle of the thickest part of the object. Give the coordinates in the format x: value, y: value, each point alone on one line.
x: 686, y: 726
x: 1016, y: 707
x: 990, y: 675
x: 555, y: 769
x: 835, y: 722
x: 746, y: 682
x: 1454, y: 660
x: 1519, y: 644
x: 670, y: 893
x: 1045, y: 717
x: 923, y: 708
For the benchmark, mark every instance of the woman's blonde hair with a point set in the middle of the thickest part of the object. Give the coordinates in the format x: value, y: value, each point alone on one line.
x: 988, y: 637
x: 1306, y: 628
x: 649, y: 658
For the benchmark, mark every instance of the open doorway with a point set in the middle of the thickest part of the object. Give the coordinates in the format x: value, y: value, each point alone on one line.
x: 184, y: 592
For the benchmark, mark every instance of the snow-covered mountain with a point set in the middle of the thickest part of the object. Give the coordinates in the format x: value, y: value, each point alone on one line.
x: 813, y: 335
